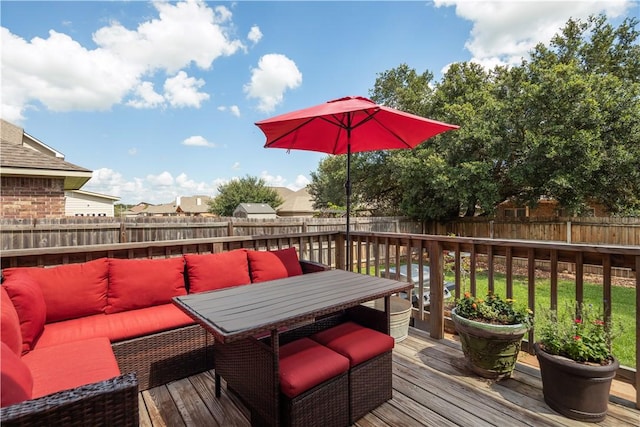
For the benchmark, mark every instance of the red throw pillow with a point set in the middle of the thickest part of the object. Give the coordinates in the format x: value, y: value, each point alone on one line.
x: 9, y: 323
x: 15, y: 377
x: 71, y: 290
x: 270, y: 265
x: 139, y: 283
x: 216, y: 271
x: 26, y: 296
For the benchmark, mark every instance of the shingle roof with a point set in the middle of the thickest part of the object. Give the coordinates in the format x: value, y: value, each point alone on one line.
x: 19, y: 157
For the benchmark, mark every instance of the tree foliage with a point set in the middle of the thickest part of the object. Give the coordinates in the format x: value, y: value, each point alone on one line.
x: 244, y: 190
x: 564, y: 124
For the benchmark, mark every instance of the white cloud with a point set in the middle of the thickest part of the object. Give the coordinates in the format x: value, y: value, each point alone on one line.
x: 163, y: 188
x: 147, y: 97
x: 236, y: 165
x: 156, y: 189
x: 197, y: 141
x: 164, y: 179
x: 233, y: 109
x: 504, y: 32
x: 275, y: 74
x: 62, y: 75
x: 182, y: 91
x: 132, y: 151
x: 301, y: 182
x: 255, y: 34
x: 273, y: 181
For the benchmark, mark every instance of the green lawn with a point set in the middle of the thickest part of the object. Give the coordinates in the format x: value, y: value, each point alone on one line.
x: 623, y: 308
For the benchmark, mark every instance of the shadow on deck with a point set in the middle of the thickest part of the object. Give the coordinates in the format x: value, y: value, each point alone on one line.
x: 432, y: 387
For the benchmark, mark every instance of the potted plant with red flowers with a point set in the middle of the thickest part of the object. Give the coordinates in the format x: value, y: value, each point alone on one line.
x: 491, y: 331
x: 576, y: 363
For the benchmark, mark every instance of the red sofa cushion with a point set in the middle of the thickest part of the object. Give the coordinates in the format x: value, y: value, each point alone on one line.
x: 9, y: 323
x: 216, y: 271
x: 355, y: 342
x: 71, y: 365
x: 117, y: 327
x: 139, y: 283
x: 70, y: 290
x: 271, y: 265
x: 304, y: 364
x: 26, y: 296
x: 15, y: 377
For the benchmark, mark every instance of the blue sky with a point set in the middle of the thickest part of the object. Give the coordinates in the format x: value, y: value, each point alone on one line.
x: 160, y: 99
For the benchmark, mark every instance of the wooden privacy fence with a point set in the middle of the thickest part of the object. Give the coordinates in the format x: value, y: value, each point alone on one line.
x: 83, y: 231
x: 589, y: 230
x: 77, y: 231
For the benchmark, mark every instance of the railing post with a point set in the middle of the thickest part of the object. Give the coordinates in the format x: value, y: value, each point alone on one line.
x: 637, y: 381
x: 436, y: 290
x: 340, y: 251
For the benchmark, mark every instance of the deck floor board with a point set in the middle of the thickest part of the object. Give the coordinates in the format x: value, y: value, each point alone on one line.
x: 432, y: 387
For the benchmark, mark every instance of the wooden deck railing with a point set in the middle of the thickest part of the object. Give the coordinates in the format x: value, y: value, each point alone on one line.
x: 374, y: 252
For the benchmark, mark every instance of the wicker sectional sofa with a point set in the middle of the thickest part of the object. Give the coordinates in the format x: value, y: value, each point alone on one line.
x: 80, y: 340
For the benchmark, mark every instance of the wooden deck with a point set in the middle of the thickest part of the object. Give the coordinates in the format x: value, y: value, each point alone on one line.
x: 431, y: 385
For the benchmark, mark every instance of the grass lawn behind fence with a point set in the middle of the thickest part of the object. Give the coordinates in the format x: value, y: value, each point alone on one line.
x: 623, y: 305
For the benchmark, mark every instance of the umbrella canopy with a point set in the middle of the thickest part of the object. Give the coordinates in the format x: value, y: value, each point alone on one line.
x: 349, y: 125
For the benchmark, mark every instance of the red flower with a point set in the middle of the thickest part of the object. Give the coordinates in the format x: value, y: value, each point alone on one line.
x: 577, y: 337
x: 578, y: 321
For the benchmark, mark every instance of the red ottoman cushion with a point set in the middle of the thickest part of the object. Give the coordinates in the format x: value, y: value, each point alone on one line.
x: 16, y: 380
x: 304, y: 364
x: 216, y: 271
x: 271, y: 265
x: 355, y: 342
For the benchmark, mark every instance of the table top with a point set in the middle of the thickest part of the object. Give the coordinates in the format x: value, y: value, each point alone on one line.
x: 242, y: 311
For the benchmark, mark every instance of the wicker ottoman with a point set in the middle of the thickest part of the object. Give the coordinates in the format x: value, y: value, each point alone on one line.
x: 314, y: 385
x: 370, y: 358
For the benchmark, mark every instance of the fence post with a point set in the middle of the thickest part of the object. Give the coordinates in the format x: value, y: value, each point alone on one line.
x: 229, y: 228
x: 491, y: 229
x: 568, y: 231
x: 123, y: 231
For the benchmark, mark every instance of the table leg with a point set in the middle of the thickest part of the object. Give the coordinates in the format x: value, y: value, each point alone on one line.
x: 218, y: 385
x: 387, y: 312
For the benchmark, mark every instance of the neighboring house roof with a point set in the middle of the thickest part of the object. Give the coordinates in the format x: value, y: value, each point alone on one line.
x: 183, y: 204
x: 283, y: 192
x: 96, y: 195
x: 23, y: 155
x: 255, y: 208
x: 193, y: 204
x: 297, y: 203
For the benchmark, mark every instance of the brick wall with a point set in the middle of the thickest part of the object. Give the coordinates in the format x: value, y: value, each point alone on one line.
x: 31, y: 197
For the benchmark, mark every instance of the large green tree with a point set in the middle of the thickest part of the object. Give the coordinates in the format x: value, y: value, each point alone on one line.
x: 564, y: 124
x: 582, y: 127
x: 244, y: 190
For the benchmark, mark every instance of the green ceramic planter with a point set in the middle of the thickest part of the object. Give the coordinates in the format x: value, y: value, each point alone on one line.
x: 491, y: 350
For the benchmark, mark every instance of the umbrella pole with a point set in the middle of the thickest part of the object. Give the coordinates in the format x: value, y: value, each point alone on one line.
x: 347, y: 186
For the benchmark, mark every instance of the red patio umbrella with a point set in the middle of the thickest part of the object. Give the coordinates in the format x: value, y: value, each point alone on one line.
x: 349, y: 125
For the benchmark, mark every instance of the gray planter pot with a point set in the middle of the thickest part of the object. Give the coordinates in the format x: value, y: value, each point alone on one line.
x: 576, y: 390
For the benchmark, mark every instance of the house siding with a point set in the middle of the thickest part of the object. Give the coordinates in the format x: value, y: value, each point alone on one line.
x: 86, y: 205
x: 30, y: 197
